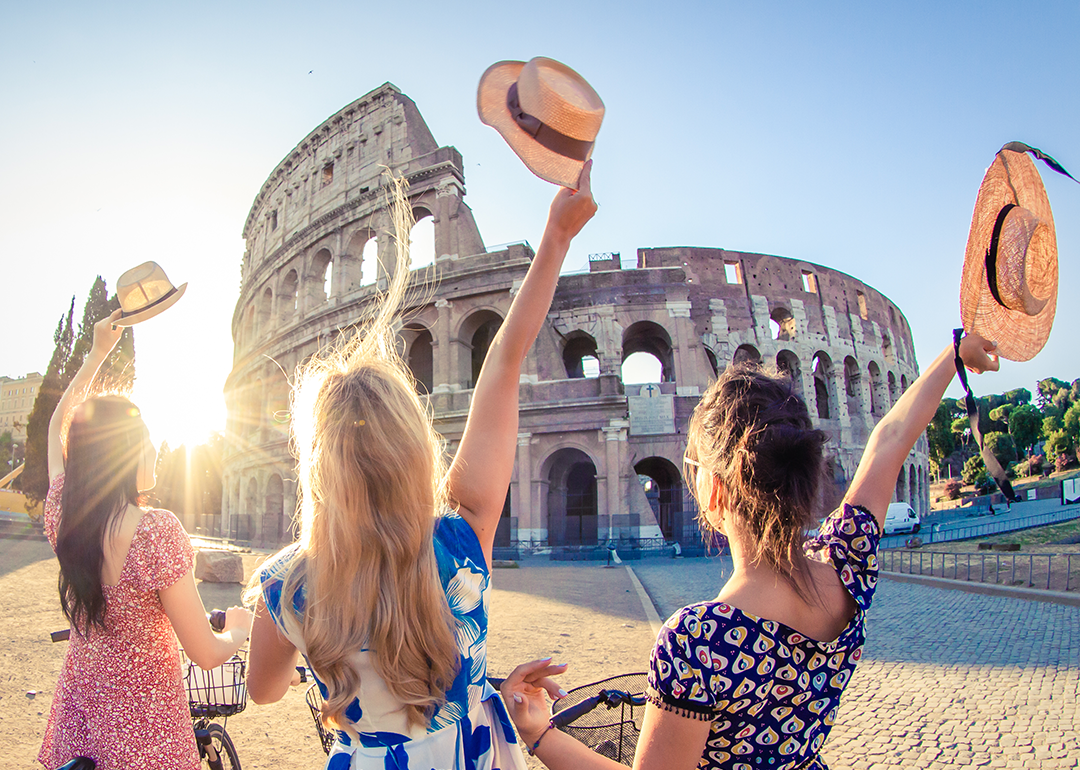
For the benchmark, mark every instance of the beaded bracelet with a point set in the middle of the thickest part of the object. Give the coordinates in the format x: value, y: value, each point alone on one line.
x: 550, y: 726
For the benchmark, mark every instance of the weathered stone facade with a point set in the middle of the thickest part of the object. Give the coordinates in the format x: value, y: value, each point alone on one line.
x: 588, y: 445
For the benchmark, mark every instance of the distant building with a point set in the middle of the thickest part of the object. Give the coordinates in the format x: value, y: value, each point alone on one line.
x: 597, y: 459
x: 17, y: 396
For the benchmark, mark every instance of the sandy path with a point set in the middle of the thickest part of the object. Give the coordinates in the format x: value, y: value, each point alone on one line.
x: 585, y: 615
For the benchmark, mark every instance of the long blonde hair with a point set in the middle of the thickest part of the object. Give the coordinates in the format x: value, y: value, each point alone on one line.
x: 371, y: 471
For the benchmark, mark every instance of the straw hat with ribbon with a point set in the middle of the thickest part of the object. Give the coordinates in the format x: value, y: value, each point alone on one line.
x: 546, y: 112
x: 1008, y: 292
x: 144, y: 292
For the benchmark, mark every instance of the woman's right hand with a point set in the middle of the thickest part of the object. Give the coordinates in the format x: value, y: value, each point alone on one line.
x: 572, y: 209
x: 106, y: 335
x: 238, y: 619
x: 523, y: 692
x: 978, y: 354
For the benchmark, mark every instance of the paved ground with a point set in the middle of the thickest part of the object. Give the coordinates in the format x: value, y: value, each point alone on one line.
x: 949, y: 679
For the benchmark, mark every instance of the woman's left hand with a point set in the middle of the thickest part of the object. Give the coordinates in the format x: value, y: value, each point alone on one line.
x: 106, y: 335
x: 523, y: 692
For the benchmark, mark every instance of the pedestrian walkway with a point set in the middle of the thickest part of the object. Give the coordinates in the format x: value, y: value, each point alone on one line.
x: 949, y: 679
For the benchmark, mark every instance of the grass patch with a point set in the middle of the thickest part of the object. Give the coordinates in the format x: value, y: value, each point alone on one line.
x: 1051, y: 533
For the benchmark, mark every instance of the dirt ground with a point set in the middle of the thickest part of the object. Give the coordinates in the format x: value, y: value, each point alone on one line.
x: 584, y: 615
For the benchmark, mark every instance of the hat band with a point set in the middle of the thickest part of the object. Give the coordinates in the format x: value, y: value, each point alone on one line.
x: 992, y: 252
x: 545, y: 135
x: 158, y: 301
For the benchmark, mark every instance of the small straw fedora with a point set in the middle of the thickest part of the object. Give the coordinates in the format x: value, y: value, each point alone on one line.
x: 144, y: 292
x: 1008, y: 291
x: 546, y: 112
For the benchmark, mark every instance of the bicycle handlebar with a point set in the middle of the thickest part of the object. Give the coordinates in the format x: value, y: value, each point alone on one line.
x: 216, y: 618
x: 610, y: 698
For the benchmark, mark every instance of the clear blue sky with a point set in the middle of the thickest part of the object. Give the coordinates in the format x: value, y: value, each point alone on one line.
x: 853, y: 135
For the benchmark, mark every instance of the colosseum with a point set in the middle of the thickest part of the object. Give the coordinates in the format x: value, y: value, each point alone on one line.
x: 598, y: 460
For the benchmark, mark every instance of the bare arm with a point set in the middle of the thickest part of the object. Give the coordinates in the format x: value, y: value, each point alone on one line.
x: 893, y: 437
x: 206, y: 648
x: 105, y: 339
x: 271, y: 660
x: 480, y: 474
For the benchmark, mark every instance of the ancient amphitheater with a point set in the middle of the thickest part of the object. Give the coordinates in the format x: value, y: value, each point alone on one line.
x: 597, y: 460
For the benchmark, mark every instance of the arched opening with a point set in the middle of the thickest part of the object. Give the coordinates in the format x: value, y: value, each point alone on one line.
x: 244, y: 530
x: 572, y: 499
x: 580, y: 357
x: 913, y: 488
x: 651, y: 338
x: 266, y: 306
x: 369, y: 262
x: 879, y: 395
x: 320, y: 277
x: 887, y: 351
x: 903, y: 384
x: 853, y: 386
x: 421, y: 359
x: 274, y: 525
x: 422, y: 239
x: 901, y: 484
x: 823, y: 387
x: 782, y: 323
x: 475, y: 337
x: 893, y: 395
x: 287, y: 297
x: 247, y: 327
x: 787, y: 364
x: 351, y: 262
x: 746, y: 354
x: 713, y: 362
x: 664, y: 490
x: 641, y: 368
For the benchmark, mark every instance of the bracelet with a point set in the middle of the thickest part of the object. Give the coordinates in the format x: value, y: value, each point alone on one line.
x: 550, y: 726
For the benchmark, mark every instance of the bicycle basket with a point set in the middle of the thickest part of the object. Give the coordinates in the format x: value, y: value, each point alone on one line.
x: 314, y: 702
x: 610, y: 731
x: 217, y: 692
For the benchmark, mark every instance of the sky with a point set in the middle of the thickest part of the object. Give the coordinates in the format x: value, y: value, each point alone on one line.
x: 852, y: 135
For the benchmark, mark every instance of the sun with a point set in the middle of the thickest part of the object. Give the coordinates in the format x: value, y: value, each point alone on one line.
x: 181, y: 413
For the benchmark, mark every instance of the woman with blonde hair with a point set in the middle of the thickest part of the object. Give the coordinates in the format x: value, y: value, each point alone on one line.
x: 385, y: 593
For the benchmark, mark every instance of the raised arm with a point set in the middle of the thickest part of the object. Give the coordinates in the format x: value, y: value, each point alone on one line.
x: 480, y: 474
x: 105, y: 338
x: 893, y: 437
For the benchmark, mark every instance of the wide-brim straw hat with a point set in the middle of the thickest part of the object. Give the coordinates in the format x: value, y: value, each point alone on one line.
x: 144, y: 292
x: 546, y: 112
x: 1008, y: 292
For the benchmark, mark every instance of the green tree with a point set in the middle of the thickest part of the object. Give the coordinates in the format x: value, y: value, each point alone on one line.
x: 1025, y: 425
x: 939, y: 433
x: 1017, y: 397
x: 974, y: 471
x: 1045, y: 390
x: 1002, y: 446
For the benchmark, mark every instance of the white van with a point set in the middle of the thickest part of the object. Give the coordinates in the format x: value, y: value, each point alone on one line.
x: 900, y: 518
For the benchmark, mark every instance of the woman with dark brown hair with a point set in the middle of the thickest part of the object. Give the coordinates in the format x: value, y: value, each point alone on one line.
x: 753, y: 678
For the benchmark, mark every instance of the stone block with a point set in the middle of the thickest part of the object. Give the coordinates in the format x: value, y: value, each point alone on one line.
x: 219, y: 566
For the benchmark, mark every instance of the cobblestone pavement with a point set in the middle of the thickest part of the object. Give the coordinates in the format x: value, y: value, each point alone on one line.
x: 949, y: 679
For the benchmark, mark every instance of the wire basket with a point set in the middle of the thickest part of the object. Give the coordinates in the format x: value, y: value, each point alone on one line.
x: 217, y: 692
x: 612, y: 732
x: 314, y: 701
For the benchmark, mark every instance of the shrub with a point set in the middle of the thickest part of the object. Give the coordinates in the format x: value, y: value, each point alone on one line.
x: 974, y: 470
x: 952, y: 489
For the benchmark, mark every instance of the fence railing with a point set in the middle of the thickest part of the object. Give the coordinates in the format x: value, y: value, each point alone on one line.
x: 948, y: 533
x: 1050, y: 571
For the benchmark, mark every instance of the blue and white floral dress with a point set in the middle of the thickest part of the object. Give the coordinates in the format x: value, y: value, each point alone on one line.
x: 472, y: 731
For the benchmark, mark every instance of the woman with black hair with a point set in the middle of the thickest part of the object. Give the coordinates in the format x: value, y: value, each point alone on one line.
x: 126, y: 586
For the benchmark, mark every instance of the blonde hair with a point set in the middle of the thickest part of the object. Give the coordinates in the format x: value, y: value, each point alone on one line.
x: 371, y: 470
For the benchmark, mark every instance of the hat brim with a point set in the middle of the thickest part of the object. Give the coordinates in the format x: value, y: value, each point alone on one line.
x: 1012, y: 178
x: 150, y: 312
x: 491, y: 104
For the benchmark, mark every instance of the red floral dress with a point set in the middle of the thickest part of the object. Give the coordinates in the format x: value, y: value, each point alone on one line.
x: 120, y: 699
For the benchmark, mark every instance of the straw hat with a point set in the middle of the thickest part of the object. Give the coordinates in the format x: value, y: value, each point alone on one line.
x: 144, y: 292
x: 1008, y: 292
x: 546, y: 112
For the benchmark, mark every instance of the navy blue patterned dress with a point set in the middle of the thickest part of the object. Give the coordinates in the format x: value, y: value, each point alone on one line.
x: 770, y: 692
x: 472, y: 730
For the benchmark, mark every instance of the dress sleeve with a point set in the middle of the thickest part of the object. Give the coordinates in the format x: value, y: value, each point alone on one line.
x: 166, y: 551
x: 694, y: 664
x: 52, y: 508
x: 850, y: 536
x: 272, y: 580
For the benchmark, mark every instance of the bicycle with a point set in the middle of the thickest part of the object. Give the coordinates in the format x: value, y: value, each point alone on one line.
x: 576, y: 714
x: 215, y: 694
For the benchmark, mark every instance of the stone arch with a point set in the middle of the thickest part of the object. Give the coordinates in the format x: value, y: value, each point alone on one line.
x: 782, y: 323
x: 710, y: 354
x: 879, y: 393
x: 893, y: 395
x: 653, y: 339
x: 420, y: 356
x: 746, y: 354
x: 580, y: 356
x: 824, y: 390
x: 247, y: 328
x: 665, y: 495
x: 888, y: 352
x: 474, y: 336
x: 234, y: 510
x: 319, y: 280
x: 853, y: 386
x: 422, y: 238
x: 901, y: 484
x: 244, y: 526
x: 266, y: 310
x: 572, y: 500
x: 274, y: 524
x: 288, y: 294
x: 903, y: 384
x: 787, y: 364
x: 913, y: 487
x: 353, y: 262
